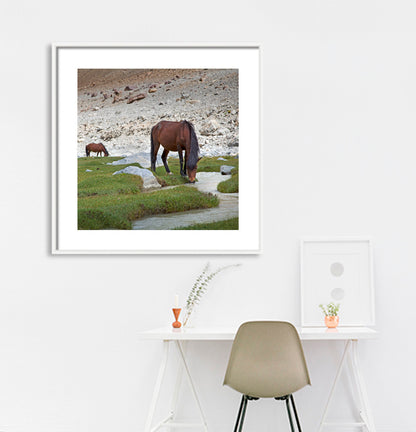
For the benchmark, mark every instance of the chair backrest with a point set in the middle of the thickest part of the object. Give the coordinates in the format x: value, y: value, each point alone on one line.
x: 267, y: 360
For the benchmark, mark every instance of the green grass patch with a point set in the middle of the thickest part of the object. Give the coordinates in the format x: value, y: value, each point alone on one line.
x: 230, y: 185
x: 113, y: 202
x: 228, y: 224
x: 102, y: 185
x: 98, y: 165
x: 172, y: 179
x: 100, y: 181
x: 206, y: 164
x: 118, y: 211
x: 212, y: 164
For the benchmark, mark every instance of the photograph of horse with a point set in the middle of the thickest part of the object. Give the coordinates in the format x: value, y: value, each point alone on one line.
x: 97, y: 148
x: 154, y: 178
x: 176, y: 136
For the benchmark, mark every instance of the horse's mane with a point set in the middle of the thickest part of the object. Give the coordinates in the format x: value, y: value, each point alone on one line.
x: 106, y: 151
x: 194, y: 150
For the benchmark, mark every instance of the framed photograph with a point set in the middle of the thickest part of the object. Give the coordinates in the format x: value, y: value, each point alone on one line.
x: 339, y: 271
x: 155, y: 148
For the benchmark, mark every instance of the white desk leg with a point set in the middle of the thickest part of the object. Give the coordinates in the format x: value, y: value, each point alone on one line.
x: 350, y: 351
x: 191, y: 383
x: 158, y: 386
x: 179, y: 375
x: 366, y: 414
x: 340, y: 367
x: 355, y: 386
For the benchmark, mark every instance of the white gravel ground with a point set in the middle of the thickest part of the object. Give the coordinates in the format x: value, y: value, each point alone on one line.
x: 207, y: 98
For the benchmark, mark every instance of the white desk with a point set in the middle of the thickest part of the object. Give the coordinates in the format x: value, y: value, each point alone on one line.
x: 350, y: 335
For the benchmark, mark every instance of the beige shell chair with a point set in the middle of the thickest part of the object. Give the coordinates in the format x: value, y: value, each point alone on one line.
x: 267, y: 361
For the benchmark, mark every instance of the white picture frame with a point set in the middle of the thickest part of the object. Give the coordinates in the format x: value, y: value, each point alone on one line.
x: 67, y: 58
x: 338, y: 270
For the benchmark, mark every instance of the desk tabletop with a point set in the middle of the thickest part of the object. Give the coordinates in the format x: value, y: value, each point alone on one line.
x: 228, y: 334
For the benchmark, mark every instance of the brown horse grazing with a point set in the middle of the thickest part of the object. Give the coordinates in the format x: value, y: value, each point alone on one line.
x: 176, y: 136
x: 96, y: 148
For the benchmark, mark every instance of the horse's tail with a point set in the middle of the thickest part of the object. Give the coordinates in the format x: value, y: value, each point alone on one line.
x: 194, y: 150
x: 87, y: 152
x: 152, y: 150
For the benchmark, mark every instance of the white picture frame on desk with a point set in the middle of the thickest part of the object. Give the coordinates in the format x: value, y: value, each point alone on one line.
x: 340, y: 271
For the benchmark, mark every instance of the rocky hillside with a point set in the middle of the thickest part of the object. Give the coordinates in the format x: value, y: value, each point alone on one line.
x: 118, y: 107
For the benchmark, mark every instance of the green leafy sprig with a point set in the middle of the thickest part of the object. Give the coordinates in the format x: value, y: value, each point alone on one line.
x: 330, y: 309
x: 200, y: 287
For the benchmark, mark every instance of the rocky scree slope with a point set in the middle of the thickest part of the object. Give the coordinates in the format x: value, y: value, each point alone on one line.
x: 119, y: 107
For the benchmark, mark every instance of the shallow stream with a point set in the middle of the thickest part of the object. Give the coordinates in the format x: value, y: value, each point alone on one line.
x: 207, y: 182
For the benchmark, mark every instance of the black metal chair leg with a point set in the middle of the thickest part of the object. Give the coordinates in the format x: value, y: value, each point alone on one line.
x: 243, y: 407
x: 243, y: 414
x: 296, y: 413
x: 239, y: 414
x: 289, y: 414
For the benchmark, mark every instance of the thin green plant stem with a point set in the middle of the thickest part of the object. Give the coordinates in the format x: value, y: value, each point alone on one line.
x: 200, y: 287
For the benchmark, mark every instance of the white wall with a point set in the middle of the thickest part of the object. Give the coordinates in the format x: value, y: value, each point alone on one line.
x: 338, y: 159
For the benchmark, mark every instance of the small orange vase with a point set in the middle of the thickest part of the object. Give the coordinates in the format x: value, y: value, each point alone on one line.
x: 331, y: 321
x: 176, y: 323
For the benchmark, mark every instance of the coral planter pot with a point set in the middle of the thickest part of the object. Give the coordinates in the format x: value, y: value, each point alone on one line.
x: 332, y: 321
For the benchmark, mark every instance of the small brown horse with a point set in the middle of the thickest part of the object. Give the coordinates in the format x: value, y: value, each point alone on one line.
x: 176, y: 136
x: 96, y: 148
